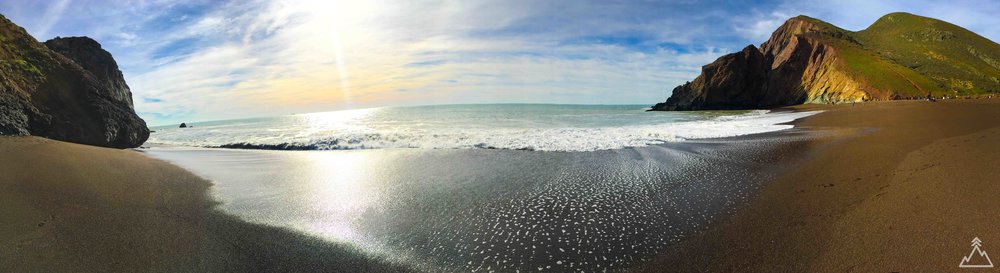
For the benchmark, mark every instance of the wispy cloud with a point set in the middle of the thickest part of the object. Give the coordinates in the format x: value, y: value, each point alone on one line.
x: 976, y: 15
x: 208, y: 59
x: 52, y: 15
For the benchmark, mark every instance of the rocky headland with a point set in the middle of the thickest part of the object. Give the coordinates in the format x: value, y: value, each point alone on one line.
x: 806, y: 60
x: 67, y: 89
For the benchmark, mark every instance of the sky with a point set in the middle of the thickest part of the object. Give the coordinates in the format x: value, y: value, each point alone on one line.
x: 197, y: 60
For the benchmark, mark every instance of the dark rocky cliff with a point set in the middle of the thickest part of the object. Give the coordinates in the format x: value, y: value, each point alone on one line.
x: 67, y: 89
x: 88, y: 54
x: 734, y: 81
x: 810, y: 61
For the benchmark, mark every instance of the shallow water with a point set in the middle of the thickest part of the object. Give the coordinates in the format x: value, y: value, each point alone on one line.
x: 495, y: 210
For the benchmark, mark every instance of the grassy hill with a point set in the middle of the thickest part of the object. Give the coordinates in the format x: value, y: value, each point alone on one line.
x: 806, y: 60
x: 958, y: 61
x: 914, y: 56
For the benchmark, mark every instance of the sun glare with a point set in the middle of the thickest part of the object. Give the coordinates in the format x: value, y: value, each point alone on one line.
x: 336, y: 15
x: 340, y: 193
x: 346, y: 120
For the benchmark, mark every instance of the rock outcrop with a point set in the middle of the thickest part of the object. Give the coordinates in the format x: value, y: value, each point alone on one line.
x: 810, y: 61
x: 67, y: 89
x: 88, y: 54
x: 734, y: 81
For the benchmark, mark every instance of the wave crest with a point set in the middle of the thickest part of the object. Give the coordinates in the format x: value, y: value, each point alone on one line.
x: 444, y: 137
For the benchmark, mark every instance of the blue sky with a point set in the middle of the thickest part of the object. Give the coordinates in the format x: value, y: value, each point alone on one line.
x: 192, y: 60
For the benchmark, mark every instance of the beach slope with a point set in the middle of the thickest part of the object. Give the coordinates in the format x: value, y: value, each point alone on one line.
x: 74, y: 208
x: 907, y: 192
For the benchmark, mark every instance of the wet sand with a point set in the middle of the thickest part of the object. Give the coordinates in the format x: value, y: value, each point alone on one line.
x: 906, y: 194
x: 462, y: 210
x: 903, y: 187
x: 448, y: 210
x: 73, y: 208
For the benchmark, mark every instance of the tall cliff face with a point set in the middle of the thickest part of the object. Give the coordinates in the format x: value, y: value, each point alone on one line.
x: 88, y: 54
x: 734, y: 81
x: 810, y: 61
x: 67, y: 89
x: 806, y: 65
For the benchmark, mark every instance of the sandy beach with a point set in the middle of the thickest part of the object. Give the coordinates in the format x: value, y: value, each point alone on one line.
x: 75, y: 208
x: 903, y: 186
x: 906, y: 194
x: 462, y: 210
x: 499, y: 136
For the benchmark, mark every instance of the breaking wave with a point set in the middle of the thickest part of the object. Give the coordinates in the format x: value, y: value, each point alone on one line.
x: 456, y: 137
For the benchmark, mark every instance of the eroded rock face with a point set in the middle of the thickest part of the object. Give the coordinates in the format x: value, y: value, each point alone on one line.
x: 794, y: 66
x: 88, y: 54
x: 806, y: 68
x: 734, y: 81
x: 72, y: 92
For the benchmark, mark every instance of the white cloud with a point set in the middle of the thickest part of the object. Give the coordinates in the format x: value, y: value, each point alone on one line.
x: 51, y: 16
x: 976, y: 15
x: 259, y: 57
x: 317, y: 55
x: 759, y: 26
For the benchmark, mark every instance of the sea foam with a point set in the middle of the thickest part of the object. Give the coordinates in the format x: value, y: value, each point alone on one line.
x: 359, y: 130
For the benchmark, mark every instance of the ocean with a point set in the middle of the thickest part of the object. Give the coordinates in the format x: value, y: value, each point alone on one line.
x: 538, y: 127
x: 505, y: 188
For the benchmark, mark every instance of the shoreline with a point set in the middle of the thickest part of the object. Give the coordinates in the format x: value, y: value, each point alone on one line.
x: 71, y: 208
x: 206, y: 231
x: 908, y: 194
x: 473, y: 176
x: 569, y: 128
x: 853, y: 196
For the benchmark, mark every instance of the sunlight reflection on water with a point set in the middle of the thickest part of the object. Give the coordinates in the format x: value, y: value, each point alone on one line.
x: 340, y: 192
x: 462, y: 210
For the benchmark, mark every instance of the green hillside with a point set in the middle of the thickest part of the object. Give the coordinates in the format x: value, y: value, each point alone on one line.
x: 920, y: 55
x: 806, y: 60
x: 958, y: 61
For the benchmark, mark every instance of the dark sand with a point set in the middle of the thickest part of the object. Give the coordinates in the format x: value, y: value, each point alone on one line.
x: 462, y: 210
x: 905, y: 188
x: 74, y: 208
x: 451, y: 210
x: 908, y: 194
